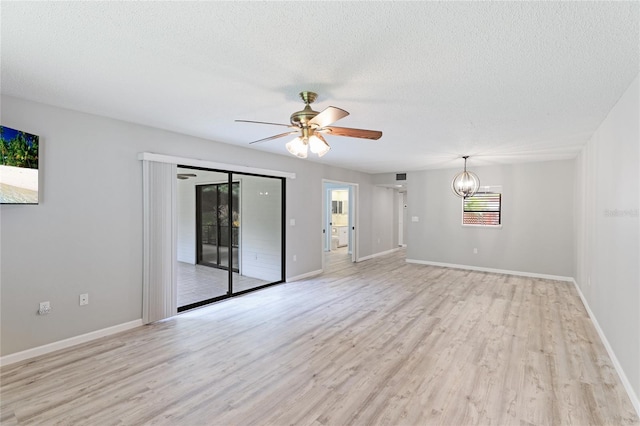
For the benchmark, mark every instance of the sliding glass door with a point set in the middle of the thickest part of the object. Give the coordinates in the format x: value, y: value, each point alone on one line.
x: 230, y: 234
x: 261, y: 232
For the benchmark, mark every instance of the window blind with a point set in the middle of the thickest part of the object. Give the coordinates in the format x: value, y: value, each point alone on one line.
x: 484, y: 208
x: 159, y: 289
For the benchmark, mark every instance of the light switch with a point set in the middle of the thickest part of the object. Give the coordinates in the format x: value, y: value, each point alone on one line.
x: 415, y: 219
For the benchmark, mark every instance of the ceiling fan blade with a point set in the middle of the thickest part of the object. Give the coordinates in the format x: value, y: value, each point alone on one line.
x: 281, y: 135
x: 352, y: 133
x: 327, y: 116
x: 264, y: 122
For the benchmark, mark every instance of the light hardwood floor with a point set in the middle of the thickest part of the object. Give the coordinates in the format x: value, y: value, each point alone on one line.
x: 379, y: 342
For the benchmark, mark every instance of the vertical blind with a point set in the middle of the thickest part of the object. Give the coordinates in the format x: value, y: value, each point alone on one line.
x: 484, y: 208
x: 159, y: 295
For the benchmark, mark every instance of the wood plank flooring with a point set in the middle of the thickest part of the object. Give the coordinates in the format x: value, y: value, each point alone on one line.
x: 379, y: 342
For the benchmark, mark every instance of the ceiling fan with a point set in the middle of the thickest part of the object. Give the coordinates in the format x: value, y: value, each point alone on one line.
x: 309, y: 125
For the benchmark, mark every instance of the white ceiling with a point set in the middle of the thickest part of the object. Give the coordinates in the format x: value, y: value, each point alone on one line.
x: 503, y: 82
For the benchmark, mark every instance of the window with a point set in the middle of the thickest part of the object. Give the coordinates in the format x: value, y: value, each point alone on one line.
x: 483, y: 209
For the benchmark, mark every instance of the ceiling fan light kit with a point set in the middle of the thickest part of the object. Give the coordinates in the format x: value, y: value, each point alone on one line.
x: 465, y: 184
x: 318, y: 145
x: 309, y: 125
x: 298, y: 147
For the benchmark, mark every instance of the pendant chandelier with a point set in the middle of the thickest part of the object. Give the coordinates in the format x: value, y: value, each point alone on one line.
x: 465, y: 184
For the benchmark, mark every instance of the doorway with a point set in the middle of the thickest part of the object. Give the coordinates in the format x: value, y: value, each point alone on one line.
x: 339, y: 222
x: 401, y: 199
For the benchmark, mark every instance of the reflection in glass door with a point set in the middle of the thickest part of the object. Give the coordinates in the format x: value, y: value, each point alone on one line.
x: 215, y: 238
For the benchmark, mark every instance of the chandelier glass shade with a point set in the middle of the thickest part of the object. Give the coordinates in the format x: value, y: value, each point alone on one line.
x: 318, y: 145
x: 465, y: 184
x: 298, y: 147
x: 301, y: 145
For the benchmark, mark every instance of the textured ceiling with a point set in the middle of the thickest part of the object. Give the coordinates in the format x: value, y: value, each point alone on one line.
x: 503, y: 82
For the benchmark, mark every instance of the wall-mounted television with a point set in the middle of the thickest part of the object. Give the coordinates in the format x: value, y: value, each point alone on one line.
x: 19, y: 153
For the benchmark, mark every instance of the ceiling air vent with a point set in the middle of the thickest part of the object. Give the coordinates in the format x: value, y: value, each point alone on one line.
x: 401, y: 176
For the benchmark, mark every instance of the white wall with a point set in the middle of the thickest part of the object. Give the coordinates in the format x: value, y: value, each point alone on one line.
x: 185, y: 219
x: 385, y: 228
x: 260, y: 227
x: 85, y: 236
x: 537, y: 234
x: 608, y: 230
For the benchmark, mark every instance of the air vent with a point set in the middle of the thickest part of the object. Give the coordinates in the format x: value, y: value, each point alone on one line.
x: 401, y: 176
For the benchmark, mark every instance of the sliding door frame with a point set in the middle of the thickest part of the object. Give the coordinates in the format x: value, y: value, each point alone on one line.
x: 230, y: 292
x: 156, y: 278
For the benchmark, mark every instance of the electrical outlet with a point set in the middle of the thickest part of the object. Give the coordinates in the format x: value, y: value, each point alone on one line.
x: 475, y: 251
x: 84, y: 299
x: 45, y: 308
x: 295, y: 258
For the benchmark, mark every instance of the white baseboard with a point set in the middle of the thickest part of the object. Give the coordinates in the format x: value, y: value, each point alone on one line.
x: 66, y: 343
x: 493, y: 270
x: 616, y: 364
x: 303, y: 276
x: 382, y: 253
